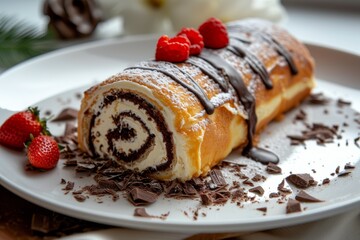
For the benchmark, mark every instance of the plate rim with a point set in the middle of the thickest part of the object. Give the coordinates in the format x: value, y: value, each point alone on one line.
x: 153, y: 224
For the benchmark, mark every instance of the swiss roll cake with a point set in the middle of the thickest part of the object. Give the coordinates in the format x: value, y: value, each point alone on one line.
x: 178, y: 120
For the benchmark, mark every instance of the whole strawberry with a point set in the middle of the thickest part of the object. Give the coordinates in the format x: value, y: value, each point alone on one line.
x: 16, y: 130
x: 43, y: 152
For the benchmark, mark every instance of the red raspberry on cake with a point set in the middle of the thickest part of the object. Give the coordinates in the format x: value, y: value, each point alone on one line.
x: 176, y: 49
x: 195, y: 38
x: 214, y: 33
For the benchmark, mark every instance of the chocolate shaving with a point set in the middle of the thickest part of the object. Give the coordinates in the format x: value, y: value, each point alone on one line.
x: 283, y: 189
x: 257, y: 190
x: 262, y: 209
x: 303, y: 180
x: 217, y: 177
x: 141, y: 212
x: 349, y: 166
x: 66, y: 114
x: 341, y: 103
x: 274, y: 195
x: 303, y: 196
x: 69, y: 186
x: 293, y: 206
x: 318, y: 99
x: 140, y: 197
x: 273, y: 168
x: 344, y: 173
x: 326, y: 181
x: 321, y: 133
x: 79, y: 197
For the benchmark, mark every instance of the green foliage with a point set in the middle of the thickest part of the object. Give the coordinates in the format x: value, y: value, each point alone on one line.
x: 20, y: 41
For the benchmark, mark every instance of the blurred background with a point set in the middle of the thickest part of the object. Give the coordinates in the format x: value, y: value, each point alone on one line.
x: 29, y: 28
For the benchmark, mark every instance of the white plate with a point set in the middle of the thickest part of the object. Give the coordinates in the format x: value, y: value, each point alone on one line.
x: 74, y: 67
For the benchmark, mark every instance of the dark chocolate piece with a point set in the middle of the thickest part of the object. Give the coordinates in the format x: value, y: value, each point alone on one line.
x: 217, y: 177
x: 349, y: 166
x: 79, y: 197
x: 293, y: 206
x: 318, y: 99
x: 69, y: 186
x: 281, y: 187
x: 303, y: 196
x: 140, y: 196
x: 302, y: 180
x: 141, y: 212
x: 262, y: 209
x: 257, y: 190
x: 273, y: 169
x: 344, y: 173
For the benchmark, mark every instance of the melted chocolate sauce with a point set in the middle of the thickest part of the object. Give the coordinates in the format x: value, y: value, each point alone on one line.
x: 262, y: 155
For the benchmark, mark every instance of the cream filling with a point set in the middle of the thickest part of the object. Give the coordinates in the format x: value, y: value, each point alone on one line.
x: 182, y: 166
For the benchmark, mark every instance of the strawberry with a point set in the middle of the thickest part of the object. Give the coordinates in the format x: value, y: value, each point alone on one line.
x: 43, y: 152
x: 176, y: 49
x: 214, y: 33
x: 16, y: 130
x: 195, y: 38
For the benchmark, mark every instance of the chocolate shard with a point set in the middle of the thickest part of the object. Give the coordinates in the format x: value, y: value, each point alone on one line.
x: 66, y: 114
x: 79, y: 197
x: 273, y: 168
x: 349, y: 166
x: 141, y: 212
x: 69, y: 186
x: 262, y: 209
x: 205, y: 199
x: 281, y: 187
x: 138, y: 196
x: 344, y: 173
x: 302, y: 180
x: 318, y: 99
x: 257, y: 190
x: 217, y: 177
x: 293, y: 206
x: 303, y: 196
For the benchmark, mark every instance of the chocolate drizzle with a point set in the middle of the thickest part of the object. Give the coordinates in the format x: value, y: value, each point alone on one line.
x: 255, y: 64
x: 171, y: 72
x: 280, y: 49
x: 236, y: 80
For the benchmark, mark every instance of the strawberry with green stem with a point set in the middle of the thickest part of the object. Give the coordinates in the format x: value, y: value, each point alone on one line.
x: 16, y: 130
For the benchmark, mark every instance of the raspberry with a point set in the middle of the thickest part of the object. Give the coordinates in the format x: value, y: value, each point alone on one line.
x: 195, y: 38
x: 214, y: 33
x: 176, y: 49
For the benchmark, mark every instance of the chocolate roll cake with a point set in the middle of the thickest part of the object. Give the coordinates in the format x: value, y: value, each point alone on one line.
x: 178, y: 120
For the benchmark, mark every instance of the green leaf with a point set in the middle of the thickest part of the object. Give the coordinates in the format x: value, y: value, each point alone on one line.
x: 20, y: 41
